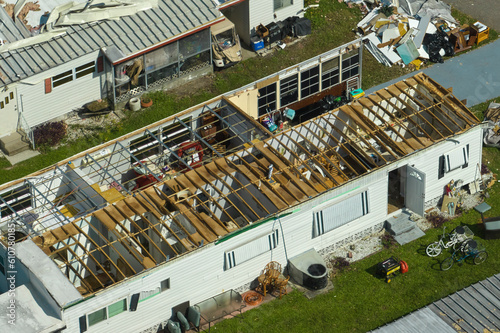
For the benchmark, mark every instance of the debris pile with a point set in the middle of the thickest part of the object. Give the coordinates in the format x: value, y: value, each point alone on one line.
x: 414, y: 31
x: 492, y: 131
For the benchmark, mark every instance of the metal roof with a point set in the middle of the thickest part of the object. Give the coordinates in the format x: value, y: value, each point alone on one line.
x: 130, y: 34
x: 473, y: 309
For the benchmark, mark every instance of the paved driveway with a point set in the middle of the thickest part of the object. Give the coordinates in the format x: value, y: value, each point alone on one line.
x: 486, y: 11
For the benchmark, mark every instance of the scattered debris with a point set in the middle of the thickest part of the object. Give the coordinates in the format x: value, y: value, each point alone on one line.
x: 403, y: 31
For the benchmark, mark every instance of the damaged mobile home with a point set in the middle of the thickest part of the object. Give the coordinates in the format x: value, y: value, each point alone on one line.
x: 198, y: 203
x: 112, y: 50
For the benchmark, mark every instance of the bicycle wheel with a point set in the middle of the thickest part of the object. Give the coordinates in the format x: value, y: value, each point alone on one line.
x: 433, y: 250
x: 447, y: 263
x: 480, y: 257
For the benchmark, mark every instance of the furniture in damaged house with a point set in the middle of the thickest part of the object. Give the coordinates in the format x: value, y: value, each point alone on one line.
x: 272, y: 278
x: 212, y: 132
x: 184, y: 318
x: 491, y: 224
x: 220, y: 306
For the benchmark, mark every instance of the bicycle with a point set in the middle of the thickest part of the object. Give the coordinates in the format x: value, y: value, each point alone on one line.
x: 457, y: 236
x: 468, y: 249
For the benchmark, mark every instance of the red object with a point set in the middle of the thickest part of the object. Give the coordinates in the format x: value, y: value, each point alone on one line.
x: 100, y: 64
x: 192, y: 153
x: 404, y: 266
x: 48, y: 85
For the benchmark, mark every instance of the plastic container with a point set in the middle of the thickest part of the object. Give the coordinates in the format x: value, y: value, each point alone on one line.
x: 257, y: 43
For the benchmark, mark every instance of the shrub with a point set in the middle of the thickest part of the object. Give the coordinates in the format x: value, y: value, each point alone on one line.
x: 388, y: 241
x: 437, y: 220
x: 145, y: 99
x: 49, y: 134
x: 484, y: 169
x: 340, y: 264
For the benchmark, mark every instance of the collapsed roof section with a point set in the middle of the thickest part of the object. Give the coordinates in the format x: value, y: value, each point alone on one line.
x: 180, y: 184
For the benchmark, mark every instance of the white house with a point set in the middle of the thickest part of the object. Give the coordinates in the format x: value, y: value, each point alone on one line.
x: 66, y: 54
x: 196, y: 204
x: 248, y: 14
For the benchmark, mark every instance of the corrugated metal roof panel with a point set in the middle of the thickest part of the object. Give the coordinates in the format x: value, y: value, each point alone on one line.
x: 130, y: 34
x: 473, y: 309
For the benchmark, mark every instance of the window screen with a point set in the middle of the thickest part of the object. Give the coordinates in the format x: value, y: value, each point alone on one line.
x: 282, y: 3
x: 289, y: 90
x: 330, y: 73
x: 456, y: 158
x: 117, y: 308
x: 309, y: 82
x: 251, y: 249
x: 97, y: 317
x: 85, y: 69
x: 62, y: 78
x: 340, y: 213
x: 350, y: 64
x: 267, y: 98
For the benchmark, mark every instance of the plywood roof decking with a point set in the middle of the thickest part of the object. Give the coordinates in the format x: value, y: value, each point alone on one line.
x: 406, y: 117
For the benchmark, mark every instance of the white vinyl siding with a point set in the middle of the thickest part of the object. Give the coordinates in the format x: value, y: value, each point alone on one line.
x: 340, y: 213
x: 251, y: 249
x: 456, y: 158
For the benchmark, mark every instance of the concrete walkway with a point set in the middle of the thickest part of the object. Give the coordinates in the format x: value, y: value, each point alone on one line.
x: 474, y: 76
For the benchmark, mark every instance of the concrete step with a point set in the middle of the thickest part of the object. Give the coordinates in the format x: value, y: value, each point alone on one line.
x: 400, y: 223
x: 409, y: 236
x: 13, y: 144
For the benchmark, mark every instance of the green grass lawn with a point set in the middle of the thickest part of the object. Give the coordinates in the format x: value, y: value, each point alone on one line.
x: 360, y: 301
x: 333, y: 25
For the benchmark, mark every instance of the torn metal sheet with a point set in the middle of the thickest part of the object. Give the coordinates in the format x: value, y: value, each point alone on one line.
x: 422, y: 27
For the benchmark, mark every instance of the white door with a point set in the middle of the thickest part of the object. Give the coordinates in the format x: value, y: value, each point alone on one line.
x: 415, y: 190
x: 8, y: 112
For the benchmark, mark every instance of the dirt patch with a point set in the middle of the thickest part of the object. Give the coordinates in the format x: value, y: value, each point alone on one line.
x: 204, y: 83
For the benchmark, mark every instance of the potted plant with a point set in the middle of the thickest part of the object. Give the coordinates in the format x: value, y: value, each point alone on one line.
x: 146, y: 101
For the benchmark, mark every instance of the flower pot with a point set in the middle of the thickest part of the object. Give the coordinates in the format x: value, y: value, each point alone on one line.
x: 134, y: 104
x: 146, y: 104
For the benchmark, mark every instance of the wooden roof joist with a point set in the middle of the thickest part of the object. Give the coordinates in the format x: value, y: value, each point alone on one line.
x: 188, y: 205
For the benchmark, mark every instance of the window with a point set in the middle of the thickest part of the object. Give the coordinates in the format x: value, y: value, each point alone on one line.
x: 105, y: 313
x: 85, y: 69
x: 97, y: 316
x: 340, y: 213
x: 251, y: 249
x: 267, y: 98
x: 171, y: 135
x: 2, y: 105
x: 62, y: 78
x: 278, y: 4
x: 165, y: 284
x: 117, y: 308
x: 309, y: 82
x: 144, y: 146
x: 72, y: 74
x: 289, y: 90
x: 456, y: 158
x: 350, y: 64
x: 330, y: 73
x: 18, y: 199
